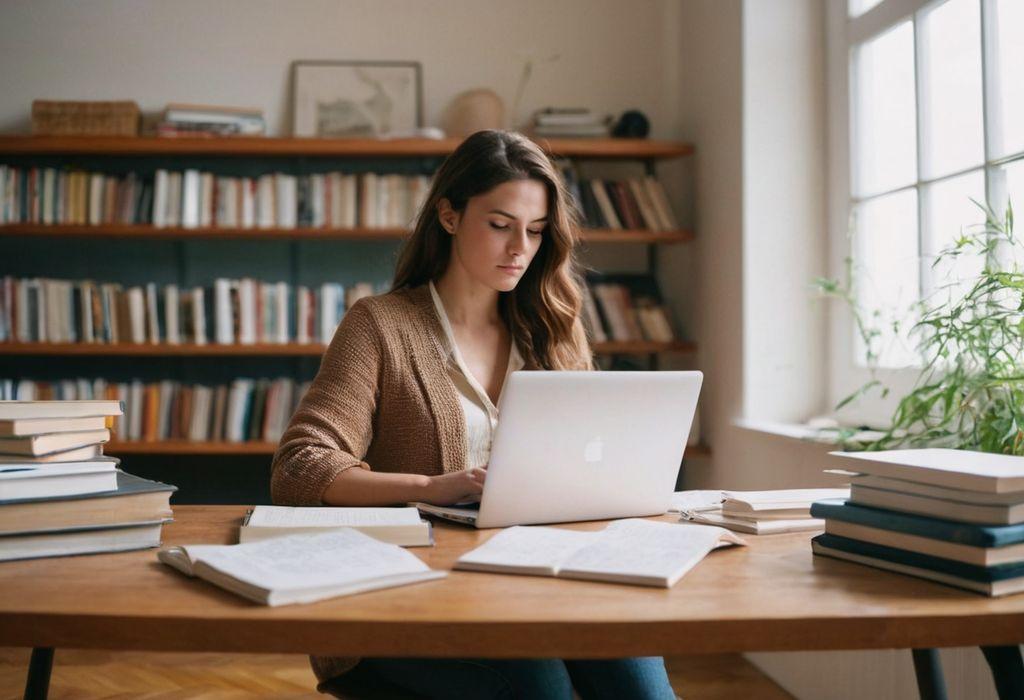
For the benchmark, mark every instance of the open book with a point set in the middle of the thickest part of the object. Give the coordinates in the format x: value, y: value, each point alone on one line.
x: 301, y: 568
x: 641, y: 552
x: 401, y: 526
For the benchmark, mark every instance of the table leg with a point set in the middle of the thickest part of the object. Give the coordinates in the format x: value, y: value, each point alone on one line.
x: 928, y: 668
x: 37, y: 685
x: 1007, y: 670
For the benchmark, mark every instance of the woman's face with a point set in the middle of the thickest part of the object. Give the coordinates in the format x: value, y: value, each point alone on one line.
x: 498, y: 233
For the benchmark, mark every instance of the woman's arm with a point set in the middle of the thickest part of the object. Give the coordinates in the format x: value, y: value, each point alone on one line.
x: 361, y: 487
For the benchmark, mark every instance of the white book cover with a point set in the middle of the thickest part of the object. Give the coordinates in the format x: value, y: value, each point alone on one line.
x: 248, y: 187
x: 174, y: 203
x: 171, y: 305
x: 317, y: 196
x: 266, y: 202
x: 349, y: 201
x: 247, y: 311
x: 222, y: 312
x: 199, y: 316
x: 160, y: 187
x: 137, y: 314
x: 95, y: 199
x: 287, y: 200
x: 974, y: 471
x: 166, y: 397
x: 190, y: 196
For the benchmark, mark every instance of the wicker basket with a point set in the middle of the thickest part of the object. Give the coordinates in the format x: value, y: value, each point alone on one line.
x: 65, y: 118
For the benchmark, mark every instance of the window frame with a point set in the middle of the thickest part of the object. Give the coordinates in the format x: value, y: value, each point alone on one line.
x: 843, y: 35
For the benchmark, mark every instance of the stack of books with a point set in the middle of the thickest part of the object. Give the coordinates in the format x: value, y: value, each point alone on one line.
x: 59, y: 495
x: 569, y: 122
x: 951, y: 516
x: 765, y: 512
x: 210, y: 120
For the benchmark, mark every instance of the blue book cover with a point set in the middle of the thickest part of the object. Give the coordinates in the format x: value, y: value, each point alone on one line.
x: 920, y: 525
x: 983, y: 574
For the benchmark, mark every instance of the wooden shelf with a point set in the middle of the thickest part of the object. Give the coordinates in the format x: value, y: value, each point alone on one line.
x: 643, y: 347
x: 350, y: 148
x: 185, y: 447
x: 268, y: 349
x: 140, y: 231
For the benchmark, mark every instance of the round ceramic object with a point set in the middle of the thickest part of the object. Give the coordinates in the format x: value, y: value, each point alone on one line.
x: 472, y: 111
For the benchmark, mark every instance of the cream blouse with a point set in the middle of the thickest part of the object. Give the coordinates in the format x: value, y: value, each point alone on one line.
x: 480, y: 412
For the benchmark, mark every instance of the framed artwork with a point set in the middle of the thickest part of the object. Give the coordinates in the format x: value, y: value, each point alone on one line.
x: 356, y: 99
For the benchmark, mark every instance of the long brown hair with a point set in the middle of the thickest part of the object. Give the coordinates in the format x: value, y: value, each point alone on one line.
x: 543, y: 311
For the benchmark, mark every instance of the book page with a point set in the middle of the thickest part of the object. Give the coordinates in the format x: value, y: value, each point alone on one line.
x: 526, y: 547
x: 782, y: 498
x: 305, y: 561
x: 642, y: 551
x: 694, y: 501
x: 285, y: 516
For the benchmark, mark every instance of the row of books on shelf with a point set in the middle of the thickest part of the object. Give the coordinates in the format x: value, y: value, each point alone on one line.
x: 626, y: 308
x: 951, y: 516
x: 242, y: 311
x: 199, y: 199
x: 248, y: 311
x: 636, y: 203
x: 244, y: 410
x: 59, y: 495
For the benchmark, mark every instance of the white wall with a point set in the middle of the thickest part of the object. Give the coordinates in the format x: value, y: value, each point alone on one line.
x: 237, y: 52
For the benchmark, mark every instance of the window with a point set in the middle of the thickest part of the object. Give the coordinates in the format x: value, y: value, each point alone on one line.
x: 926, y: 109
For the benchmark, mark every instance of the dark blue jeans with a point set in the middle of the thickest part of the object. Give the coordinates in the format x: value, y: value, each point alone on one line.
x: 541, y: 679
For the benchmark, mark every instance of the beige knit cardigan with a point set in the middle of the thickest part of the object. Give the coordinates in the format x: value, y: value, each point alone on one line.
x: 382, y: 400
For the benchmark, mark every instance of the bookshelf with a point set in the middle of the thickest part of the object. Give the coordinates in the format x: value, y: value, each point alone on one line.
x: 271, y: 349
x: 139, y: 232
x: 140, y: 253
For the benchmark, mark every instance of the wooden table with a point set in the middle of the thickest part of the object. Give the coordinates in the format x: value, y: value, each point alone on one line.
x: 770, y: 596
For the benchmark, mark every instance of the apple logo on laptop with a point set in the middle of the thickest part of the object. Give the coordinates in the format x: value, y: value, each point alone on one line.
x: 593, y: 452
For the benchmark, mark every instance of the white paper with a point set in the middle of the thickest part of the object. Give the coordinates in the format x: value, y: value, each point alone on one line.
x: 529, y: 547
x: 783, y: 498
x: 694, y: 501
x: 285, y: 516
x: 651, y: 550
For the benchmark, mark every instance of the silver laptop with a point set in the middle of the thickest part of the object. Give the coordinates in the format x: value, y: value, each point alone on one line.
x: 583, y: 446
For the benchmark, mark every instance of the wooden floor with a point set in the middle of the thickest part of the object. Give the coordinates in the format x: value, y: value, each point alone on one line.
x: 124, y: 675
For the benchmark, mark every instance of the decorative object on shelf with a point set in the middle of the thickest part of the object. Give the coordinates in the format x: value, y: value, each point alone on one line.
x: 633, y: 124
x: 210, y: 120
x: 530, y: 59
x: 472, y: 111
x: 70, y: 118
x: 356, y: 99
x: 569, y: 122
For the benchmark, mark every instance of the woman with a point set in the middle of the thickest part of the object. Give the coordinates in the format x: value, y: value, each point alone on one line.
x: 403, y: 407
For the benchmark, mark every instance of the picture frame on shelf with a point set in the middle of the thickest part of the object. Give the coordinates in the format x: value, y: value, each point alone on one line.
x: 356, y: 99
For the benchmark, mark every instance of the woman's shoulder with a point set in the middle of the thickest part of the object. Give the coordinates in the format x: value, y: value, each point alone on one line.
x: 391, y: 311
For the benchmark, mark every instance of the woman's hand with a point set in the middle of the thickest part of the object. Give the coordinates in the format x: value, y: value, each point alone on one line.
x: 446, y: 489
